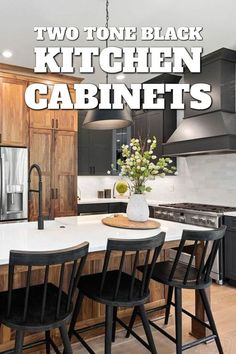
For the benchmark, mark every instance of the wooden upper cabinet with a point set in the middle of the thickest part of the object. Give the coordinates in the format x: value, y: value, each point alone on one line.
x: 13, y: 112
x: 41, y: 154
x: 67, y: 119
x: 43, y: 118
x: 61, y: 119
x: 65, y: 173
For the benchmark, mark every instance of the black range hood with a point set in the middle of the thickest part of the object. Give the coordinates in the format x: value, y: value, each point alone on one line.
x: 212, y: 130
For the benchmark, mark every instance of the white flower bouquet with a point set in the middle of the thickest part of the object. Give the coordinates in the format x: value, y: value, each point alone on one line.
x: 140, y: 164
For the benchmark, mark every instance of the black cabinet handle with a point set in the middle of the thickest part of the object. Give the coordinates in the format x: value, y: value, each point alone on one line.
x: 56, y: 123
x: 52, y: 123
x: 92, y: 170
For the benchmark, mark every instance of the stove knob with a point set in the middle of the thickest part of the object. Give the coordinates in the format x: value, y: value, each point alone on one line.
x: 202, y: 220
x: 210, y: 222
x: 182, y: 219
x: 195, y: 219
x: 171, y: 215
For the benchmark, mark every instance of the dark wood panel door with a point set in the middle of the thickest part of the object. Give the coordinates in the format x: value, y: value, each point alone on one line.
x: 100, y: 152
x: 148, y: 124
x: 139, y: 128
x: 41, y: 154
x: 94, y: 150
x: 65, y: 173
x: 13, y: 112
x: 83, y: 147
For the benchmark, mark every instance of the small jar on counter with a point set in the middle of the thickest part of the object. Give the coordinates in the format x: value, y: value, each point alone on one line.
x: 100, y: 194
x: 107, y: 193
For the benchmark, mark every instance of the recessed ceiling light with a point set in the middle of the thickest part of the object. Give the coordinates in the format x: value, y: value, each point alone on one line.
x: 7, y: 53
x: 120, y: 77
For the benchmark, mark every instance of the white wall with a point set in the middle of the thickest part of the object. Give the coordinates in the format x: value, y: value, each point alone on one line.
x: 203, y: 179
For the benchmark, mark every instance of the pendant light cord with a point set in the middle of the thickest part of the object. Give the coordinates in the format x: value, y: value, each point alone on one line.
x: 107, y: 26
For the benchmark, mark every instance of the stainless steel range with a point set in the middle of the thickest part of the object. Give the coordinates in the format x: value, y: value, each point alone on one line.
x: 199, y: 215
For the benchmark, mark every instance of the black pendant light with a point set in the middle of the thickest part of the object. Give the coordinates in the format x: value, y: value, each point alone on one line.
x: 107, y: 119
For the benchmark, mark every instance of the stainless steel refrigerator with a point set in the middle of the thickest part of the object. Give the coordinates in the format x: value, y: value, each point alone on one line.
x: 13, y: 183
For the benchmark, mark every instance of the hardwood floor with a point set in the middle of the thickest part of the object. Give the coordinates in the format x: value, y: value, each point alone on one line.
x: 223, y: 301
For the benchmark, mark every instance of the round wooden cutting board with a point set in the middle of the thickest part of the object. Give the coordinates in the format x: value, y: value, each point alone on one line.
x: 123, y: 222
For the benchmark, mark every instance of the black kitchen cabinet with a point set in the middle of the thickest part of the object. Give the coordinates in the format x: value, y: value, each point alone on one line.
x: 158, y: 123
x: 98, y: 149
x: 94, y: 150
x: 151, y: 211
x: 102, y: 208
x: 106, y: 208
x: 217, y: 70
x: 117, y: 207
x: 149, y: 124
x: 230, y: 250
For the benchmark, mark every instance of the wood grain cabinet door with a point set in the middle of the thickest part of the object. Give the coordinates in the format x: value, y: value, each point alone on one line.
x: 13, y: 112
x: 66, y: 119
x: 41, y: 154
x: 43, y: 118
x: 65, y: 173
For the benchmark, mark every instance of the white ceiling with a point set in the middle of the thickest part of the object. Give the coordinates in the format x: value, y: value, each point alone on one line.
x: 18, y: 17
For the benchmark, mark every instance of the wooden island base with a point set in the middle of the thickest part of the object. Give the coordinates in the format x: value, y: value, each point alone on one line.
x: 92, y: 313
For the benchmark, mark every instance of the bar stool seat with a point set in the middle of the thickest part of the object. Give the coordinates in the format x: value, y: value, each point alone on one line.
x: 33, y: 317
x: 90, y: 286
x: 42, y: 307
x: 162, y: 271
x: 177, y: 276
x: 116, y: 288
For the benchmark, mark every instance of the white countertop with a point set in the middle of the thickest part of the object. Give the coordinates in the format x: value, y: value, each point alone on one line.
x: 102, y: 200
x: 70, y: 231
x: 151, y: 202
x: 230, y: 213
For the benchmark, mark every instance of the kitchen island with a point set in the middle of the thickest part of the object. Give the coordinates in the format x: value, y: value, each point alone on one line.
x: 70, y: 231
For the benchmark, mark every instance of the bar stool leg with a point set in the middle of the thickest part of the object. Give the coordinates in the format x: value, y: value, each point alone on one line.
x: 147, y: 329
x: 47, y: 337
x: 108, y: 329
x: 19, y: 342
x: 168, y: 304
x: 114, y: 324
x: 65, y: 339
x: 75, y: 313
x: 178, y: 319
x: 132, y: 320
x: 211, y: 319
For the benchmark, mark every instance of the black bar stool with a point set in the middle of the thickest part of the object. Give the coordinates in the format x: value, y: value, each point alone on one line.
x: 37, y: 308
x: 117, y: 288
x: 180, y: 276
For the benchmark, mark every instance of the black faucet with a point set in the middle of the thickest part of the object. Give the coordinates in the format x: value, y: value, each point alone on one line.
x: 39, y: 191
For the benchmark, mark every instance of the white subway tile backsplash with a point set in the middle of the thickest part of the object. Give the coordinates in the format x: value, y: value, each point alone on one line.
x: 201, y: 179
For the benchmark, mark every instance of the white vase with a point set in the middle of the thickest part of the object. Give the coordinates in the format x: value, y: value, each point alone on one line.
x: 137, y: 208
